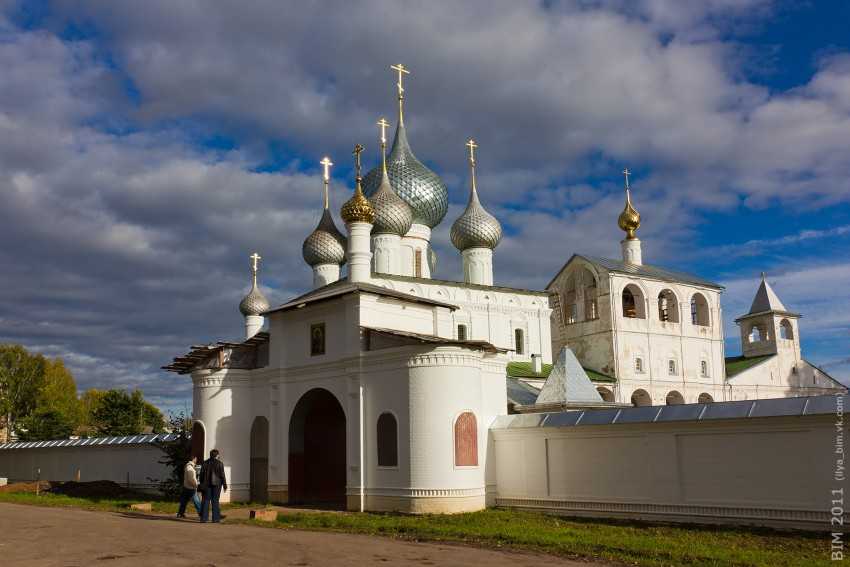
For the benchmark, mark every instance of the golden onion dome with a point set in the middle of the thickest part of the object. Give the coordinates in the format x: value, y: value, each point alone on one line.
x: 629, y: 220
x: 358, y: 208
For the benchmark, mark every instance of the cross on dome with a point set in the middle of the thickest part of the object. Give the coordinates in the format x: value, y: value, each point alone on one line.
x: 255, y: 260
x: 358, y: 149
x: 626, y: 172
x: 402, y: 71
x: 383, y: 124
x: 326, y: 163
x: 471, y: 145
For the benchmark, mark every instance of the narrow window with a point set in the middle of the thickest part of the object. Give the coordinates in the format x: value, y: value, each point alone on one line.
x: 466, y: 440
x: 387, y: 440
x: 629, y: 309
x: 671, y: 367
x: 317, y: 339
x: 638, y: 365
x: 461, y: 332
x: 785, y: 330
x: 699, y: 310
x: 518, y: 339
x: 703, y: 368
x: 417, y: 263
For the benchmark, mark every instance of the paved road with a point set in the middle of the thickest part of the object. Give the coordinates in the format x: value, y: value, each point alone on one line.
x: 32, y: 536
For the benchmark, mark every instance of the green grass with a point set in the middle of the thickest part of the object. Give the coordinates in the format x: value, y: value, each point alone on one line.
x: 737, y: 364
x: 639, y: 544
x: 620, y: 542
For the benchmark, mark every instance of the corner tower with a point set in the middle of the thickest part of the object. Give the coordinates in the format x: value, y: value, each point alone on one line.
x: 769, y: 327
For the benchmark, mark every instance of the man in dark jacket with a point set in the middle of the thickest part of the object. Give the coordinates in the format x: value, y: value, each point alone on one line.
x: 212, y: 482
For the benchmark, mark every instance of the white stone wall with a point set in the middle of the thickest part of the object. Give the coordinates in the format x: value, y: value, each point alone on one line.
x: 765, y: 471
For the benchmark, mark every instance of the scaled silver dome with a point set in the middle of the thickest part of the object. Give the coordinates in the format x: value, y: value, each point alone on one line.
x: 420, y: 187
x: 326, y: 244
x: 254, y: 303
x: 476, y: 228
x: 392, y: 214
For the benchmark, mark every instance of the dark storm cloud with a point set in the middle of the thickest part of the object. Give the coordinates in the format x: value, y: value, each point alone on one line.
x: 125, y: 239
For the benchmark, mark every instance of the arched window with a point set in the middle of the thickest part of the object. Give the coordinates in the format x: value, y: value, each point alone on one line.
x: 671, y: 367
x: 570, y: 306
x: 674, y: 398
x: 699, y: 310
x: 461, y: 332
x: 466, y: 440
x: 668, y: 307
x: 639, y: 365
x: 591, y: 310
x: 606, y: 394
x: 755, y: 334
x: 641, y: 398
x: 633, y: 304
x: 519, y: 341
x: 703, y: 368
x: 786, y: 331
x: 417, y: 263
x: 705, y: 398
x: 387, y: 440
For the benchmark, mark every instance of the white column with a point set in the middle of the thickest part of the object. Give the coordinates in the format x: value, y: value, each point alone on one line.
x: 631, y: 251
x: 386, y: 250
x: 478, y: 266
x: 323, y: 274
x: 417, y: 239
x: 253, y: 324
x: 359, y: 255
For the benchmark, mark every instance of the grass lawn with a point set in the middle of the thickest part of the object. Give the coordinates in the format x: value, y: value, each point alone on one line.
x: 618, y: 542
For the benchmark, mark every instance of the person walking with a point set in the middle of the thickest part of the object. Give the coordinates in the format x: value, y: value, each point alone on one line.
x: 213, y: 481
x: 190, y: 489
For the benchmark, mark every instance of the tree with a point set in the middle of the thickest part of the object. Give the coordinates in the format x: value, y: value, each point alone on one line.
x: 22, y: 376
x: 115, y: 412
x: 176, y: 454
x: 44, y: 424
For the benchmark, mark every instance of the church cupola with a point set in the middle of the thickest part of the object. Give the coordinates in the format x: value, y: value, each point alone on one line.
x: 393, y: 218
x: 358, y: 215
x: 476, y: 233
x: 255, y: 303
x: 324, y: 249
x: 769, y: 327
x: 418, y: 186
x: 629, y: 222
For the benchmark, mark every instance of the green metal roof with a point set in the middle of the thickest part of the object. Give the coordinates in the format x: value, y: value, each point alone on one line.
x: 519, y: 369
x: 737, y: 364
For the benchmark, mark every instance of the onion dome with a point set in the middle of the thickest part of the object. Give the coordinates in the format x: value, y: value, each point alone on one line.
x: 392, y: 214
x: 475, y: 228
x: 417, y: 185
x: 629, y: 220
x: 326, y: 244
x: 358, y: 208
x: 255, y: 302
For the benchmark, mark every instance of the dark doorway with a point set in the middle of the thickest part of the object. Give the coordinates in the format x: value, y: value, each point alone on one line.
x: 317, y: 451
x: 260, y: 460
x: 198, y: 441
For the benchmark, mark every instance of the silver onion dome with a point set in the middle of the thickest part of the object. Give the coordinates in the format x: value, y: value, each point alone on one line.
x: 417, y: 185
x: 392, y: 214
x: 475, y: 228
x: 326, y: 244
x: 254, y: 303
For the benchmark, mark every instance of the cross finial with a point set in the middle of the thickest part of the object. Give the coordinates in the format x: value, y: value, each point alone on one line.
x: 383, y: 124
x: 626, y: 172
x: 255, y: 260
x: 402, y: 71
x: 471, y: 145
x: 358, y: 149
x: 326, y: 163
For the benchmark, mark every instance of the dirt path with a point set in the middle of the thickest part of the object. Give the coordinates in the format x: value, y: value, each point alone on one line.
x: 33, y: 536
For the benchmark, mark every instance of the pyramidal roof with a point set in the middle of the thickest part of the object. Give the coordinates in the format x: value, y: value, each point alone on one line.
x: 568, y: 383
x: 766, y: 299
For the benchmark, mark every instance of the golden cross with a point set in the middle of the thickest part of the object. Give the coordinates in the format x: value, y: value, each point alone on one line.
x: 326, y: 162
x: 358, y: 149
x: 255, y: 259
x: 402, y: 70
x: 383, y: 124
x: 626, y: 172
x: 471, y: 145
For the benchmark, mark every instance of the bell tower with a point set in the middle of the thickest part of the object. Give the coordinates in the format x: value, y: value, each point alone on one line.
x: 769, y: 328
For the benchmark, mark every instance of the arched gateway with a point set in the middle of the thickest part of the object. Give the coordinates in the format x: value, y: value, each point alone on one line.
x: 317, y: 450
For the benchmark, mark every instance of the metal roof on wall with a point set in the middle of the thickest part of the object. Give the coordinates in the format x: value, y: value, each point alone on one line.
x: 749, y: 409
x: 93, y: 441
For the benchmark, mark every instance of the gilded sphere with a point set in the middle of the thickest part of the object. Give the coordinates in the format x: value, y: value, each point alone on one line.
x: 358, y: 208
x: 629, y: 220
x: 476, y: 228
x: 420, y: 187
x: 326, y: 244
x: 392, y: 214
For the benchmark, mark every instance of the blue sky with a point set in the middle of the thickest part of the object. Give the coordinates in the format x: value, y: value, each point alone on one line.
x: 146, y: 151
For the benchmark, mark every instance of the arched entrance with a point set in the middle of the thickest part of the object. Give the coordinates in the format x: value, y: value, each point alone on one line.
x: 317, y: 450
x: 606, y: 394
x: 640, y: 398
x: 198, y: 441
x: 674, y: 398
x: 260, y: 460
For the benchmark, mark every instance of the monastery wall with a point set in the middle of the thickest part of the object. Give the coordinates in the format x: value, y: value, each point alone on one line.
x: 771, y: 471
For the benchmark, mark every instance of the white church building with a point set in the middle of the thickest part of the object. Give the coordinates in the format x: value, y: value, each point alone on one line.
x: 376, y: 389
